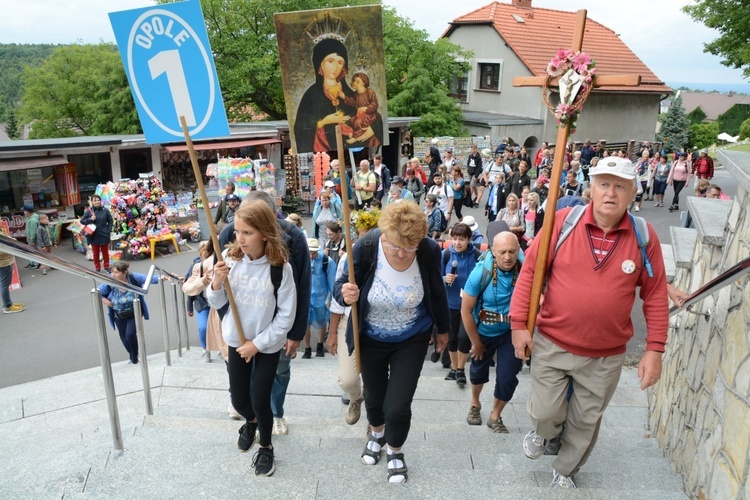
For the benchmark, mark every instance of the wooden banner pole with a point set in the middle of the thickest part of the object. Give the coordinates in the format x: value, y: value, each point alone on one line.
x: 347, y: 234
x: 211, y: 226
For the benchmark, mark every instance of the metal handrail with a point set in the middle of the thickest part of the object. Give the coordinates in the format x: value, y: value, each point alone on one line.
x: 17, y: 249
x: 723, y: 280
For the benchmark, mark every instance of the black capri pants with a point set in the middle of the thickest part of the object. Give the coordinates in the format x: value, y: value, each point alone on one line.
x: 458, y: 339
x: 390, y: 373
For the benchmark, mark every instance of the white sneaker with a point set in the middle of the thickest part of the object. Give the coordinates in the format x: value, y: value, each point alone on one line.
x: 637, y: 209
x: 206, y: 356
x: 562, y: 482
x: 233, y: 413
x: 279, y: 426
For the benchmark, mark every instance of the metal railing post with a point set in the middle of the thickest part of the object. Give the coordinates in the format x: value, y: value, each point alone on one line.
x: 183, y: 308
x: 109, y: 381
x: 177, y: 319
x: 165, y: 323
x: 140, y: 333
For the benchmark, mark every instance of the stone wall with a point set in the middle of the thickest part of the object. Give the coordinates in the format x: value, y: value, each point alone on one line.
x: 700, y: 410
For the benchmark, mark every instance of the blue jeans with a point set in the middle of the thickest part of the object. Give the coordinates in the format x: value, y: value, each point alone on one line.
x: 6, y: 276
x: 126, y: 329
x: 280, y: 384
x: 202, y: 318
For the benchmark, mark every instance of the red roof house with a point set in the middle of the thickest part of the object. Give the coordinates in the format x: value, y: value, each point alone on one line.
x: 518, y: 39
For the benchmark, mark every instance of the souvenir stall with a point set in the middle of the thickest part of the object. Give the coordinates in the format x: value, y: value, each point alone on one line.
x: 140, y: 214
x: 247, y: 175
x: 304, y: 179
x: 51, y: 190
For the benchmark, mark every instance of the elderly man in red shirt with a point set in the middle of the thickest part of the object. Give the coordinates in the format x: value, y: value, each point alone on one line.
x: 703, y: 167
x: 584, y: 322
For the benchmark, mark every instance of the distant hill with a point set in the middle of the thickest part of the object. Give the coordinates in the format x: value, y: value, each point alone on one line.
x: 723, y: 88
x: 13, y: 59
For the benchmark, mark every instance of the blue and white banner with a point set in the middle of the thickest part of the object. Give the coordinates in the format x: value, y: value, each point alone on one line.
x: 168, y: 61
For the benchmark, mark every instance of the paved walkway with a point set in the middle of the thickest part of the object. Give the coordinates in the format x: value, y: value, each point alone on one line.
x: 55, y: 442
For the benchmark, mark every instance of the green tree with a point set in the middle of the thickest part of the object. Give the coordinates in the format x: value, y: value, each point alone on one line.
x: 11, y: 124
x: 731, y: 18
x: 745, y: 130
x: 13, y: 59
x: 674, y: 127
x: 703, y: 135
x: 79, y: 90
x: 421, y: 96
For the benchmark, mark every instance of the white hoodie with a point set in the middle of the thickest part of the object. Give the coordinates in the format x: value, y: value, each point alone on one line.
x: 253, y: 294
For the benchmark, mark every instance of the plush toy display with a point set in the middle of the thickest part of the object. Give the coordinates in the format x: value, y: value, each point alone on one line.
x: 139, y: 212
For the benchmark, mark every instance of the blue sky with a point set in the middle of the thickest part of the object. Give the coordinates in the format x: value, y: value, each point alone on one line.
x: 667, y: 40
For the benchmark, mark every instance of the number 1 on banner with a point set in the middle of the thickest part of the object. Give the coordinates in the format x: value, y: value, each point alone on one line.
x: 169, y: 62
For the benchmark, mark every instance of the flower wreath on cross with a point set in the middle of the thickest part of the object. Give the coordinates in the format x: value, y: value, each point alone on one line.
x: 583, y: 68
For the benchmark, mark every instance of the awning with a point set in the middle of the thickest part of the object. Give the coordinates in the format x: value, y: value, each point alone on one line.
x: 32, y: 162
x: 222, y: 145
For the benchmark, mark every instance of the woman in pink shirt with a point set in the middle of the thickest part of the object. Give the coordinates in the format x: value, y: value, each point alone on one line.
x: 679, y: 175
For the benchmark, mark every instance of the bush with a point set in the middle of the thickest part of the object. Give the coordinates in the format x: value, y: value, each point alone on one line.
x: 745, y: 129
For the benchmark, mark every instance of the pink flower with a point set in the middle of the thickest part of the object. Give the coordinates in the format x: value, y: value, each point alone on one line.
x: 554, y: 68
x: 581, y: 62
x: 564, y: 54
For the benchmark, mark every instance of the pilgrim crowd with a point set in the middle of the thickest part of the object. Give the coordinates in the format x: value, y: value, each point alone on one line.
x: 429, y: 284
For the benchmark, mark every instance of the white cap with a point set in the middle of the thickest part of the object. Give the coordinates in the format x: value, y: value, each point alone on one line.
x: 469, y: 221
x: 614, y: 165
x: 313, y: 245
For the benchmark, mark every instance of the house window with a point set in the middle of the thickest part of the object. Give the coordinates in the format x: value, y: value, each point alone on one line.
x: 459, y: 88
x: 489, y: 76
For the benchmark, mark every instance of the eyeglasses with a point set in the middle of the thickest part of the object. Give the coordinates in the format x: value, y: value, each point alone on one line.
x: 396, y: 249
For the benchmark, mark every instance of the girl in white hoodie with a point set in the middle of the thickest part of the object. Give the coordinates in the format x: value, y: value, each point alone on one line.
x: 266, y: 317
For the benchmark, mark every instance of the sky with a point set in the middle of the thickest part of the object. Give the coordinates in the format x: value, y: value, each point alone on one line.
x: 666, y: 39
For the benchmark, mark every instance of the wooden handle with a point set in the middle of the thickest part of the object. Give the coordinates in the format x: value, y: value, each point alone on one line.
x: 211, y: 226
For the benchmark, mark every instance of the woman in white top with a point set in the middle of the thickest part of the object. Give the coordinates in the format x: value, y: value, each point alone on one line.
x: 400, y: 294
x: 266, y: 315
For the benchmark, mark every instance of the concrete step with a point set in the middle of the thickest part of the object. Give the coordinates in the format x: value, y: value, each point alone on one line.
x: 188, y: 447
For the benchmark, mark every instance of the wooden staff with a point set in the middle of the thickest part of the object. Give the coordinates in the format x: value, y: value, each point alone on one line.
x: 211, y: 226
x: 347, y: 234
x: 540, y: 270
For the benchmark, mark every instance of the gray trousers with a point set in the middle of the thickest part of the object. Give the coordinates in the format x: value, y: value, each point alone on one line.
x: 594, y: 382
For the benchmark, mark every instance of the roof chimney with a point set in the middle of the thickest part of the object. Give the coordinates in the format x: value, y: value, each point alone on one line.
x: 522, y: 3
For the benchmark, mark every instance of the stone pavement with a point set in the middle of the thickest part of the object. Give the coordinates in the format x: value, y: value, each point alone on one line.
x: 55, y: 442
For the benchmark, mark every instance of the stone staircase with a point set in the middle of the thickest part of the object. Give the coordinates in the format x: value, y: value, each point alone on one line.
x: 187, y: 448
x: 700, y: 409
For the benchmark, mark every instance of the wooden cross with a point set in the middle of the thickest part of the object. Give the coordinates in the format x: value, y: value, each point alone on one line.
x: 562, y: 139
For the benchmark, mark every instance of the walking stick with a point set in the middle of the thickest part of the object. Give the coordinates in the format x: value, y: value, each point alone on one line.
x: 348, y: 236
x: 211, y: 226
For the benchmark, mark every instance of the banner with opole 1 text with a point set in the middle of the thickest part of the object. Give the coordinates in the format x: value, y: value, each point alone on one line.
x: 170, y: 68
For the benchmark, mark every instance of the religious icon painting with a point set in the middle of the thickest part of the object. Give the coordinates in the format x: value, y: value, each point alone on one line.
x: 333, y: 70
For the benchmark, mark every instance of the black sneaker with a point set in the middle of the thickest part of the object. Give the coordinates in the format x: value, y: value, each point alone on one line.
x: 28, y: 266
x: 247, y: 436
x: 345, y: 399
x: 461, y: 377
x: 435, y: 356
x: 451, y: 375
x: 263, y: 462
x: 319, y: 353
x: 308, y: 353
